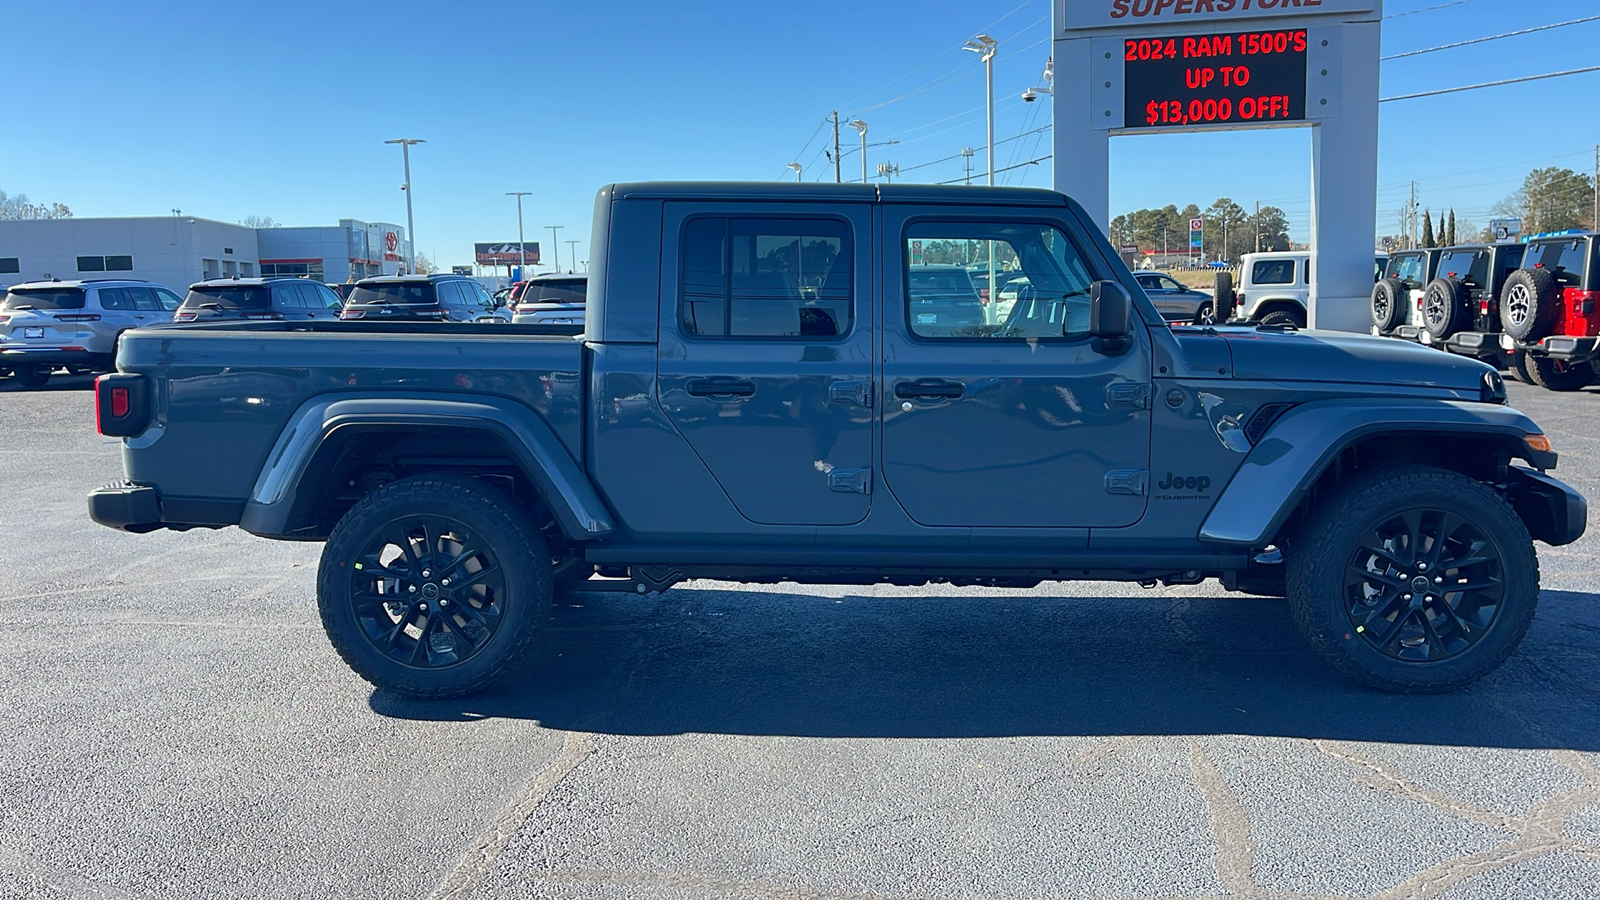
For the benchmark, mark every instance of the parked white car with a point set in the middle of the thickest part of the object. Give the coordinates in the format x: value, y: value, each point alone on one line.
x: 45, y: 325
x: 552, y: 300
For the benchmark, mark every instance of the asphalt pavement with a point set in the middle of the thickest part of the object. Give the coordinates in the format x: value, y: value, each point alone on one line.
x: 175, y: 725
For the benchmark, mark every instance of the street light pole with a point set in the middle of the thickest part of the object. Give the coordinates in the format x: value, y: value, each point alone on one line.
x: 985, y: 47
x: 862, y: 127
x: 411, y: 227
x: 838, y: 176
x: 522, y: 246
x: 555, y: 243
x: 796, y: 167
x: 573, y: 246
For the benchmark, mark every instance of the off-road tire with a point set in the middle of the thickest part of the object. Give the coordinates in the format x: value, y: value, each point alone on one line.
x: 496, y: 522
x: 1326, y: 545
x: 1517, y: 365
x: 1281, y: 317
x: 1222, y: 296
x: 1388, y: 304
x: 33, y: 376
x: 1444, y: 310
x: 1556, y: 375
x: 1529, y: 304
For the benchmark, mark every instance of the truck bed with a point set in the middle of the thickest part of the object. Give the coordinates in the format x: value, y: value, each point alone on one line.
x: 244, y: 381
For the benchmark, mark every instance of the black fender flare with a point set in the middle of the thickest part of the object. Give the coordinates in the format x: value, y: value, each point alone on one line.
x: 1284, y: 465
x: 572, y: 500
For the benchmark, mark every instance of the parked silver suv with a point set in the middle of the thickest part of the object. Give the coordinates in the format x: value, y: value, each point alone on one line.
x: 45, y: 325
x: 552, y: 300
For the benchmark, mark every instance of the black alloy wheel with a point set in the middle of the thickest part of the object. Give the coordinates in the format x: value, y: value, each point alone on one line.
x: 1423, y: 585
x: 433, y: 586
x: 1413, y: 579
x: 427, y: 592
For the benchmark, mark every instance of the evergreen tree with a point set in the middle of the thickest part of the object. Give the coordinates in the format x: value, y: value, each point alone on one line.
x: 1427, y: 229
x: 1450, y: 230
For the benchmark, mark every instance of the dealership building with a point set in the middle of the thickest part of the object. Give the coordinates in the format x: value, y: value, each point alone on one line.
x: 177, y: 251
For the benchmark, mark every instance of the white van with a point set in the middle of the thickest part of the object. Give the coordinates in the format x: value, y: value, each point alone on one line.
x: 1273, y: 288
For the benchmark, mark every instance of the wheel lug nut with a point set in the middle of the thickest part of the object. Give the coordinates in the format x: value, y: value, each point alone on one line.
x: 426, y: 573
x: 1422, y: 566
x: 443, y: 603
x: 423, y: 607
x: 412, y: 589
x: 445, y: 582
x: 1438, y: 579
x: 1406, y: 597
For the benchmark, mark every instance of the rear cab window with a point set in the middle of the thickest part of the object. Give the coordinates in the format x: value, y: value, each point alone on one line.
x: 1273, y: 271
x: 1471, y: 267
x: 44, y: 298
x: 417, y: 293
x: 1567, y: 260
x: 228, y: 297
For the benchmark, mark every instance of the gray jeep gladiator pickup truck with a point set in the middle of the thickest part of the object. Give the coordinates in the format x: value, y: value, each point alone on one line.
x: 760, y: 395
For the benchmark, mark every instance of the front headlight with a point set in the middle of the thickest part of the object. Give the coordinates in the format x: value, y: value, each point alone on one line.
x: 1493, y: 388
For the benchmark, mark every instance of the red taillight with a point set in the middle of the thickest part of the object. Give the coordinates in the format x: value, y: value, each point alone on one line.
x: 78, y: 317
x: 121, y: 404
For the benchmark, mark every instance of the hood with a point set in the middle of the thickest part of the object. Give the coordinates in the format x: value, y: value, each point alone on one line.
x: 1343, y: 357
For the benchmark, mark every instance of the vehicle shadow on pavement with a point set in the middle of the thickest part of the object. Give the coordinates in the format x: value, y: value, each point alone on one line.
x: 56, y: 383
x: 770, y: 663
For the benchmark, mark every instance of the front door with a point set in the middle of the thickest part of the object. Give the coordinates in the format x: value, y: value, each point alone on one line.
x: 766, y: 348
x: 1016, y: 420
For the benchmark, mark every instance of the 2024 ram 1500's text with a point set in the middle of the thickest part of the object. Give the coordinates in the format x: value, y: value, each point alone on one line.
x: 758, y: 396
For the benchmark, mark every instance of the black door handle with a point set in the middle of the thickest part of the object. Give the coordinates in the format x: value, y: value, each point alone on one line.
x: 929, y: 389
x: 720, y: 387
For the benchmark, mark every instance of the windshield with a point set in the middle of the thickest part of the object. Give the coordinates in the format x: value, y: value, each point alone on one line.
x: 570, y: 291
x: 47, y: 298
x: 413, y: 293
x: 231, y: 297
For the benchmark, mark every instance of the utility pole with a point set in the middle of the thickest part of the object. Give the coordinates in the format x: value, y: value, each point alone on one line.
x: 1411, y: 230
x: 1258, y: 226
x: 838, y: 174
x: 888, y: 170
x: 967, y: 152
x: 1594, y: 224
x: 411, y: 228
x: 522, y: 246
x: 555, y: 243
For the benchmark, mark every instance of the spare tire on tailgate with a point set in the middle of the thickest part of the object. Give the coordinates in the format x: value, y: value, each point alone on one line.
x: 1444, y: 307
x: 1222, y: 297
x: 1528, y: 304
x: 1388, y: 303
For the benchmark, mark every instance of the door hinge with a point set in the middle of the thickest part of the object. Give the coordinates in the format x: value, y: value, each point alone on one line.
x: 1129, y: 393
x: 850, y: 481
x: 1128, y: 481
x: 857, y: 392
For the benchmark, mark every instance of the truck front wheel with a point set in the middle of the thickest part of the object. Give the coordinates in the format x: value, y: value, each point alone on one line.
x: 433, y: 586
x: 1413, y: 579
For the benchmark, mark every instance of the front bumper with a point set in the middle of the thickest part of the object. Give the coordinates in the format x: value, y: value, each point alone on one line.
x: 1552, y: 510
x: 1558, y: 346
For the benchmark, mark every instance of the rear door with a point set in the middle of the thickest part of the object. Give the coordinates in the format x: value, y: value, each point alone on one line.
x: 1025, y: 422
x: 766, y: 349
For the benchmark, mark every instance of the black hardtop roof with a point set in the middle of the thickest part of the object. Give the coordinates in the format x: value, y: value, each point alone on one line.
x: 861, y: 193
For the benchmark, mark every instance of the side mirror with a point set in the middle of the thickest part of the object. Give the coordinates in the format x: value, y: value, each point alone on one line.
x: 1110, y: 310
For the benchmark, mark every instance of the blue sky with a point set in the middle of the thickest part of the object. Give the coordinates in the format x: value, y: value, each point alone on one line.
x: 227, y: 110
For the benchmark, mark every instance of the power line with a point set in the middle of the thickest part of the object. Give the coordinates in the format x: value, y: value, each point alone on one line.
x: 1030, y: 162
x: 1412, y: 12
x: 1486, y: 84
x: 1492, y: 37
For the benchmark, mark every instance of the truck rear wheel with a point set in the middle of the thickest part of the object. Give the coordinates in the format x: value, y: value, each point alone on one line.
x: 1413, y: 579
x: 1222, y: 297
x: 433, y: 586
x: 1388, y: 309
x: 34, y: 376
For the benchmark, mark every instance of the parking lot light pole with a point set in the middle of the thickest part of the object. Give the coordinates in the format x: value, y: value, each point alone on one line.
x: 522, y: 246
x: 985, y: 47
x: 572, y: 247
x: 411, y: 228
x: 555, y: 243
x: 796, y: 167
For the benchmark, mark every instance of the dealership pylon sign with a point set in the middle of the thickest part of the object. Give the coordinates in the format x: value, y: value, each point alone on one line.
x: 1154, y: 66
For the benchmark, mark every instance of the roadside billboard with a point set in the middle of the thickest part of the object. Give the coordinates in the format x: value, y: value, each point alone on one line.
x: 506, y: 253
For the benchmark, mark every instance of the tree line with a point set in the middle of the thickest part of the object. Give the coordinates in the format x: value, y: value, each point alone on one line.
x: 19, y: 207
x: 1230, y: 230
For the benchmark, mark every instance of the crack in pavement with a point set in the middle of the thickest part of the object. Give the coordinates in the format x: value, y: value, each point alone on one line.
x: 1230, y: 826
x: 480, y: 857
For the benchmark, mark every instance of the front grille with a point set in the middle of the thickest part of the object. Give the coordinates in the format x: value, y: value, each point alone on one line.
x: 1263, y: 419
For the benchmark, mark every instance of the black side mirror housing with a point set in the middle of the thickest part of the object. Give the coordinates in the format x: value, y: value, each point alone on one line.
x: 1110, y: 311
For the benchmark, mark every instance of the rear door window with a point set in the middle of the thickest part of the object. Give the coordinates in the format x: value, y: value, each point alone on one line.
x: 765, y: 278
x: 1272, y: 271
x: 115, y: 300
x: 144, y: 299
x: 286, y: 296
